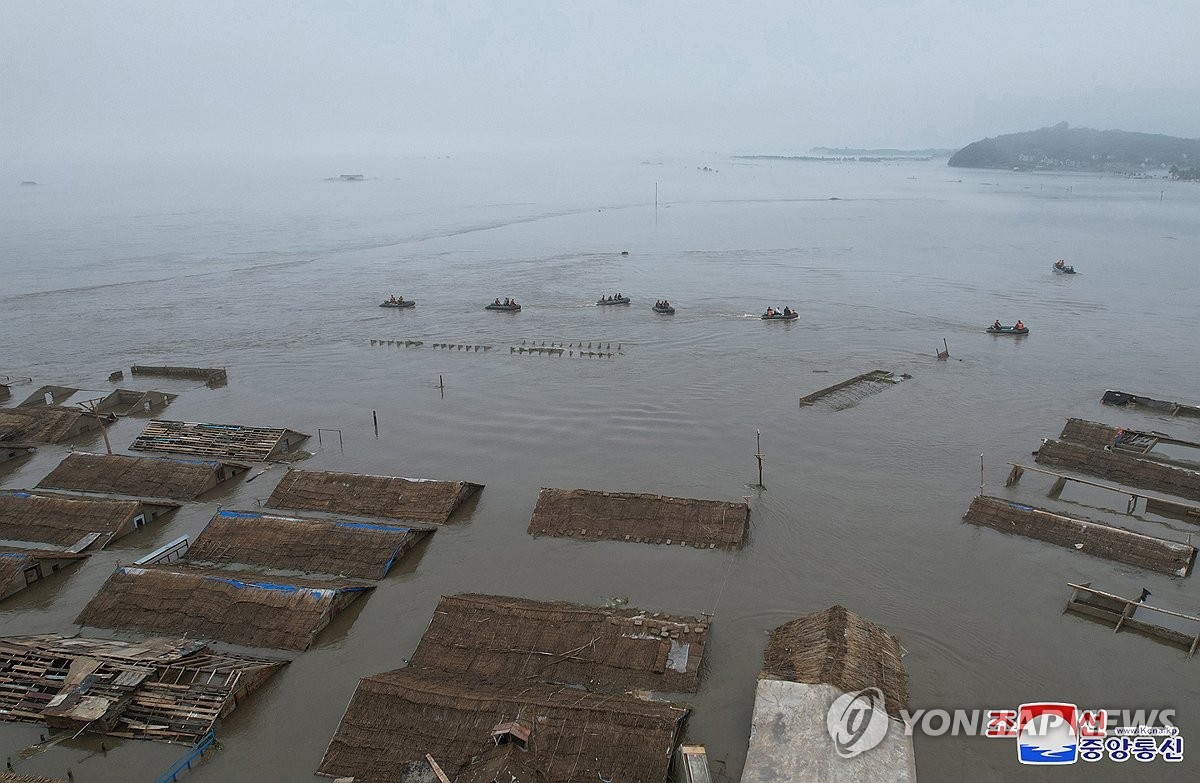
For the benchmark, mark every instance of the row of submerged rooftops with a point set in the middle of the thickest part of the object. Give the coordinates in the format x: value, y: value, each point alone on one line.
x: 272, y: 579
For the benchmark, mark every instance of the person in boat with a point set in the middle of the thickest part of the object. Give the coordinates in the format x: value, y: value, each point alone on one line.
x: 787, y: 311
x: 770, y: 312
x: 398, y: 299
x: 619, y: 295
x: 1059, y: 263
x: 1019, y: 325
x: 497, y: 300
x: 997, y: 326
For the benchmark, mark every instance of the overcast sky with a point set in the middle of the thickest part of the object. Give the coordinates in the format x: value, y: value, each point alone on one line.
x: 92, y: 78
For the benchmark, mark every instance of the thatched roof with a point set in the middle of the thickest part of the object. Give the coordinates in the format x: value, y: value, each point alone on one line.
x: 12, y: 777
x: 154, y: 477
x: 609, y: 650
x: 327, y: 546
x: 221, y: 441
x: 55, y: 519
x: 231, y: 606
x: 14, y: 560
x: 388, y: 497
x: 840, y: 648
x: 164, y: 689
x: 1122, y: 468
x: 1082, y: 534
x: 625, y: 516
x: 39, y: 423
x: 395, y: 718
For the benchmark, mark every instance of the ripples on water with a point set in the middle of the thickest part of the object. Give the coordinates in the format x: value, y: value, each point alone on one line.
x: 279, y: 281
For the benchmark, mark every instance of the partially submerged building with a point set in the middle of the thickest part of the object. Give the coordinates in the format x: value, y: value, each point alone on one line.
x: 153, y: 477
x: 49, y: 395
x: 1122, y: 399
x: 554, y: 734
x: 1134, y: 614
x: 1083, y: 535
x: 73, y: 521
x: 171, y: 690
x: 1139, y: 443
x: 238, y: 607
x: 358, y: 494
x: 810, y: 663
x: 626, y: 516
x: 212, y: 376
x: 127, y: 402
x: 20, y: 567
x: 48, y: 424
x: 330, y: 546
x: 601, y: 649
x: 220, y: 441
x: 9, y: 453
x: 1121, y: 468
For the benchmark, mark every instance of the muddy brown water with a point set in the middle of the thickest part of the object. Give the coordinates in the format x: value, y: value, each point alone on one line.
x: 278, y: 279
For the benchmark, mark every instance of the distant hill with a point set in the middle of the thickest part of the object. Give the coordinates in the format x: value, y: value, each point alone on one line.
x: 1064, y: 148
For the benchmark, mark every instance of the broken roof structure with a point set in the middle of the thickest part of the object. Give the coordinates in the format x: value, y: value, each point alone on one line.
x: 239, y: 607
x: 20, y: 568
x: 47, y: 424
x: 161, y: 689
x: 212, y: 376
x: 330, y: 546
x: 1083, y: 535
x: 126, y: 402
x: 66, y: 521
x: 156, y: 477
x: 49, y: 395
x: 222, y: 441
x: 626, y: 516
x: 358, y: 494
x: 1122, y: 468
x: 12, y: 777
x: 609, y: 650
x: 397, y: 717
x: 808, y: 664
x: 1139, y: 443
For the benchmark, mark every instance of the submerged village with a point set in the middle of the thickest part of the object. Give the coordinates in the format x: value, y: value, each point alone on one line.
x: 500, y: 688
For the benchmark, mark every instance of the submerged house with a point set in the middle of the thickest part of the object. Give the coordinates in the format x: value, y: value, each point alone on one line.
x: 808, y: 664
x: 1121, y: 467
x: 73, y: 521
x: 219, y: 441
x: 49, y: 395
x: 170, y: 690
x: 48, y: 424
x: 626, y: 516
x: 239, y: 607
x: 464, y: 723
x: 127, y: 402
x: 154, y: 477
x: 329, y: 546
x: 357, y: 494
x: 20, y: 568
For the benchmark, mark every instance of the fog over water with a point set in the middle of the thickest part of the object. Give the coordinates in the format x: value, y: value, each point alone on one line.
x: 183, y: 216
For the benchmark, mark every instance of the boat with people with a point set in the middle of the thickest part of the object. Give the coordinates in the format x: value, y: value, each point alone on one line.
x: 1018, y: 328
x: 663, y: 307
x: 508, y: 305
x: 398, y: 301
x: 775, y: 314
x: 612, y: 300
x: 1061, y: 267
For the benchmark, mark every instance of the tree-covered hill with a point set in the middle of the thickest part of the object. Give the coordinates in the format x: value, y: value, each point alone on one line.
x: 1081, y: 149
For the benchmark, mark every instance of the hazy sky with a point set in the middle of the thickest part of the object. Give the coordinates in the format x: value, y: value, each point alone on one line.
x: 98, y: 78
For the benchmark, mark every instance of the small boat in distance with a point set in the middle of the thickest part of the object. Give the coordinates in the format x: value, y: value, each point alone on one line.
x: 786, y: 314
x: 398, y: 301
x: 663, y: 307
x: 612, y: 300
x: 1060, y: 267
x: 508, y: 305
x: 1018, y: 329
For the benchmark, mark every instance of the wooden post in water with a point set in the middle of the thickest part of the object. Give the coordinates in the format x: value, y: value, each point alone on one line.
x: 980, y: 474
x: 759, y: 456
x: 375, y: 418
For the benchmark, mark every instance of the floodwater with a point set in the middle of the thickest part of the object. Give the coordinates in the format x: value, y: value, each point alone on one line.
x: 276, y: 275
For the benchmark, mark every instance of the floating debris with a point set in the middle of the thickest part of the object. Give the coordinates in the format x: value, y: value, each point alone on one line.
x: 854, y: 390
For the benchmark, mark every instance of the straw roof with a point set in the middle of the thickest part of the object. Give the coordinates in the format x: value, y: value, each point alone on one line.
x: 840, y: 648
x: 122, y: 474
x: 388, y: 497
x: 14, y: 561
x: 55, y: 519
x: 12, y: 777
x: 625, y: 516
x: 1122, y: 468
x: 231, y: 606
x: 317, y: 545
x: 516, y: 639
x: 1082, y: 534
x: 164, y: 689
x: 395, y: 718
x: 39, y: 423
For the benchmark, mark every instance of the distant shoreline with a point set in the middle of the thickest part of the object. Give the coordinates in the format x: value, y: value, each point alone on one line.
x: 839, y: 158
